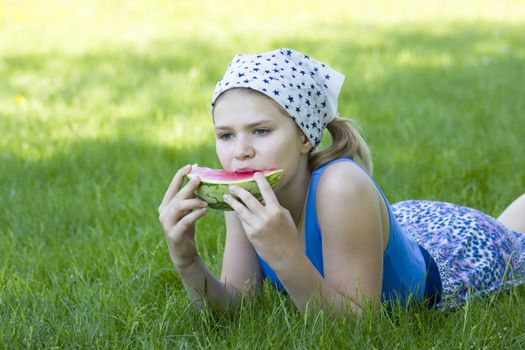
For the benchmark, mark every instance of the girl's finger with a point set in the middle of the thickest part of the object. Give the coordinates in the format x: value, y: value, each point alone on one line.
x: 177, y: 209
x: 248, y: 199
x: 175, y: 184
x: 176, y: 233
x: 244, y: 213
x: 266, y: 189
x: 189, y: 189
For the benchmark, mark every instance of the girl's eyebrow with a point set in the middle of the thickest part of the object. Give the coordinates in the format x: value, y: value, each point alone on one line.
x: 251, y: 125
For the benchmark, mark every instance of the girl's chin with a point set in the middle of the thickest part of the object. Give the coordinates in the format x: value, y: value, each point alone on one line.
x: 280, y: 186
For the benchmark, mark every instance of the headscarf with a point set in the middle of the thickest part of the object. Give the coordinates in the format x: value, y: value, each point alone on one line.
x: 305, y: 88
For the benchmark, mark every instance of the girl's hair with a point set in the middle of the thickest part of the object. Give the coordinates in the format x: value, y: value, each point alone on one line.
x: 346, y: 142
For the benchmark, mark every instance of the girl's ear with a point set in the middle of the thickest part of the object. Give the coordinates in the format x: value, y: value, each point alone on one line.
x: 306, y: 146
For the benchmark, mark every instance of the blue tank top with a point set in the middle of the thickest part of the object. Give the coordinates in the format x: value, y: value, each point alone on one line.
x: 407, y: 266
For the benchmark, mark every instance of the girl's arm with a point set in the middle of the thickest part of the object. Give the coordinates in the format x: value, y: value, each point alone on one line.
x: 350, y: 221
x: 240, y: 267
x: 203, y: 287
x: 241, y: 272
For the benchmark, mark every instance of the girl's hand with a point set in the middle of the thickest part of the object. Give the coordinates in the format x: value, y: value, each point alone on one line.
x: 178, y: 219
x: 269, y: 227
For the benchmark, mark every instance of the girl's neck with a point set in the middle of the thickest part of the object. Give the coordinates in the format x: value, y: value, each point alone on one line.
x: 293, y: 197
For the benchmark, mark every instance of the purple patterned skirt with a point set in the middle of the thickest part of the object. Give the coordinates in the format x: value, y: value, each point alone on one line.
x: 475, y: 253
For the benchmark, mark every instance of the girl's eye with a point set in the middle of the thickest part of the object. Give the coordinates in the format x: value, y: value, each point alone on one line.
x: 264, y: 130
x: 257, y: 132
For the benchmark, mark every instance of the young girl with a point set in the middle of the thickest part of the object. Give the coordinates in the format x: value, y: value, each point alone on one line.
x: 326, y: 234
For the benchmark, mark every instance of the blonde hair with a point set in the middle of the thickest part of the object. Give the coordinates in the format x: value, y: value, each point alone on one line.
x: 346, y: 142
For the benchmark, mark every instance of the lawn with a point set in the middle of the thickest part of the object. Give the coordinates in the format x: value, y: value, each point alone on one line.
x: 102, y: 101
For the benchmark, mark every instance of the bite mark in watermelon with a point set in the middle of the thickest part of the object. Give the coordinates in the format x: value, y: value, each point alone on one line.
x: 215, y: 183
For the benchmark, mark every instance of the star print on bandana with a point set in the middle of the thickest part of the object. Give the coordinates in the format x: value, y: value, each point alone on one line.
x: 307, y: 89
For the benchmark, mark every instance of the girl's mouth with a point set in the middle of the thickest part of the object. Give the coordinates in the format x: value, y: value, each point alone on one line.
x: 245, y: 170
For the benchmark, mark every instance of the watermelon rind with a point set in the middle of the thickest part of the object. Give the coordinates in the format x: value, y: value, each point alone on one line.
x: 212, y: 191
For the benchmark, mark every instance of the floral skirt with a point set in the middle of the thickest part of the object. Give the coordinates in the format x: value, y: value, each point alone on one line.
x: 476, y: 254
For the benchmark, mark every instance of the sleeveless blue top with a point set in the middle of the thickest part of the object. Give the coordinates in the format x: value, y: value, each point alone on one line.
x: 408, y: 268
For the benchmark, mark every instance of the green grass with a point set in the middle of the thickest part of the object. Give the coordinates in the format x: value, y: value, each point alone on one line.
x: 101, y: 102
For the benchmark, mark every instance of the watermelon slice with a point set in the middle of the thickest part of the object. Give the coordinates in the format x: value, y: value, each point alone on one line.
x: 215, y: 183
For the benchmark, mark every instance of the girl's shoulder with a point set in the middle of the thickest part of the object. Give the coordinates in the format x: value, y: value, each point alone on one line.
x: 343, y: 176
x: 349, y: 206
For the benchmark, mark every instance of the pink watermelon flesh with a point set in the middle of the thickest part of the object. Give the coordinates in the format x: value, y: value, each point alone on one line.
x: 218, y: 175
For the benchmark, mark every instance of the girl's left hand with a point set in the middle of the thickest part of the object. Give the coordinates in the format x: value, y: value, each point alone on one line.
x: 270, y: 227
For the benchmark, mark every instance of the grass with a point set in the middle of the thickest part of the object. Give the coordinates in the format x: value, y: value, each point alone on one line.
x: 101, y: 102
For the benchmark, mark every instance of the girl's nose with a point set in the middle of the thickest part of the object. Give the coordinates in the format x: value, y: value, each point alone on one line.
x: 243, y: 149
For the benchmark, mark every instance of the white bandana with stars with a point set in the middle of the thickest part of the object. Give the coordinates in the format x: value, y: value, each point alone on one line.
x: 307, y: 89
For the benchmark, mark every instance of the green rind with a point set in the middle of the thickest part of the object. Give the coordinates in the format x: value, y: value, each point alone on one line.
x: 212, y: 193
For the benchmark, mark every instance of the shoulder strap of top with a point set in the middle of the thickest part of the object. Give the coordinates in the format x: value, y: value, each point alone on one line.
x: 313, y: 237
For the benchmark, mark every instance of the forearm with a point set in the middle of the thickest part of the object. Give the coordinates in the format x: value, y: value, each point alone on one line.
x: 305, y: 285
x: 202, y: 284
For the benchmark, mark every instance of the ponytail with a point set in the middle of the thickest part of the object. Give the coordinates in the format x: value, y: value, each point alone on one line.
x: 346, y: 142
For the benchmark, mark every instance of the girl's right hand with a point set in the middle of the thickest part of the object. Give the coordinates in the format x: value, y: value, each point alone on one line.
x: 178, y: 219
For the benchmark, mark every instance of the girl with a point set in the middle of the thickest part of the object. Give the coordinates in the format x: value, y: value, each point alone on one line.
x: 314, y: 238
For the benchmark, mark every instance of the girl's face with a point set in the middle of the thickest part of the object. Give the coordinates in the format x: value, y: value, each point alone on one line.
x: 253, y: 133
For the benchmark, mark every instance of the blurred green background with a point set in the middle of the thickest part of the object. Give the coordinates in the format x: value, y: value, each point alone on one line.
x: 102, y: 101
